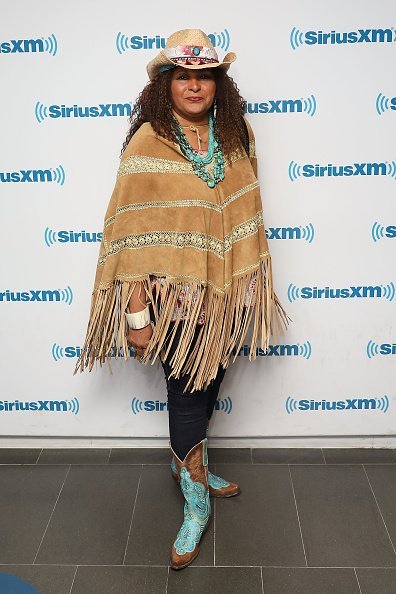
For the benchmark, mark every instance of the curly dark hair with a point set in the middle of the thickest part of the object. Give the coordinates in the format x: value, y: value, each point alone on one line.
x: 154, y: 105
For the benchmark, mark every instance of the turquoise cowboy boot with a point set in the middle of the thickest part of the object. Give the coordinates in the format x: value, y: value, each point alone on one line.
x: 193, y: 471
x: 218, y: 487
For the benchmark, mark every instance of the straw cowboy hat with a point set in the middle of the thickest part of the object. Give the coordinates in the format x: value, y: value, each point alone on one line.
x: 189, y: 48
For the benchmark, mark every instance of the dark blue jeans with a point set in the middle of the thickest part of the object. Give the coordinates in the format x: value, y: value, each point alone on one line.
x: 189, y: 411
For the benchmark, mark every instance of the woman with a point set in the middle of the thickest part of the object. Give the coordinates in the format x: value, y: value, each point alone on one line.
x: 184, y: 261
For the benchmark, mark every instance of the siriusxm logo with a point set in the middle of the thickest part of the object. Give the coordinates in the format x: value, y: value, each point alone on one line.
x: 63, y: 236
x: 101, y: 110
x: 70, y: 352
x: 307, y: 106
x: 56, y: 175
x: 307, y: 233
x: 378, y: 231
x: 373, y: 349
x: 298, y: 38
x: 137, y: 405
x: 148, y: 42
x: 359, y: 292
x: 330, y: 170
x: 41, y: 45
x: 65, y: 295
x: 59, y: 352
x: 50, y: 406
x: 365, y: 403
x: 383, y: 103
x: 280, y: 350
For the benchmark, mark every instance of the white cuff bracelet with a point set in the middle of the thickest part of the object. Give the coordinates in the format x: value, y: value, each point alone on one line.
x: 139, y: 319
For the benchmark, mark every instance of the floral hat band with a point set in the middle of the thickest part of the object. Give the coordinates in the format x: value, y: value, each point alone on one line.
x: 189, y: 48
x: 192, y: 54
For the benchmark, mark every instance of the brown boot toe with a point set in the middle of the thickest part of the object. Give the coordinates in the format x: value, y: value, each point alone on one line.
x: 180, y: 561
x: 229, y: 491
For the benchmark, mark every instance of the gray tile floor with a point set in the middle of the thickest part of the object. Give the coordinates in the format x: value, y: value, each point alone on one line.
x: 101, y: 521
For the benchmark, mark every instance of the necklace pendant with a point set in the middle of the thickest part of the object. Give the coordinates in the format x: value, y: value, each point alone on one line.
x: 211, y: 183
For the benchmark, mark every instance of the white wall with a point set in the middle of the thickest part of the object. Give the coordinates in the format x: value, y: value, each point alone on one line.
x: 339, y: 351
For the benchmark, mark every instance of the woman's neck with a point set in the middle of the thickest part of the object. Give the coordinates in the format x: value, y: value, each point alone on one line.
x: 201, y: 120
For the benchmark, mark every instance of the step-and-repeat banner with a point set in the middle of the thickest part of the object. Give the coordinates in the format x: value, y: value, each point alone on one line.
x: 321, y: 97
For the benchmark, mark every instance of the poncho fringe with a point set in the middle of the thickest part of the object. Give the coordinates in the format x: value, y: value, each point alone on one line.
x: 227, y: 323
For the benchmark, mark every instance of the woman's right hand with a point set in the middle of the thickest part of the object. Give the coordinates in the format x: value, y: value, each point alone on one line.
x: 139, y: 339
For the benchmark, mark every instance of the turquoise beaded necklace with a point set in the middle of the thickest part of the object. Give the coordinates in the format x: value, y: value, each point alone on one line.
x: 198, y: 161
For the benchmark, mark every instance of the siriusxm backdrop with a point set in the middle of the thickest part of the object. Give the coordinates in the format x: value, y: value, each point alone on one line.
x: 321, y: 98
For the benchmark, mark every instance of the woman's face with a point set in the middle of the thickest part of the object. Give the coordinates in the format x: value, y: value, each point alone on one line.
x: 192, y: 91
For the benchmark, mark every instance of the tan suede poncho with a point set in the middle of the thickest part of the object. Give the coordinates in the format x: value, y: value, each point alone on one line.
x: 164, y: 220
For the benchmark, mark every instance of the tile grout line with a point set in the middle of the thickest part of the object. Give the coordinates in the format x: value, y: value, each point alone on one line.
x: 357, y: 579
x: 39, y: 456
x: 51, y: 514
x: 262, y: 580
x: 73, y: 580
x: 379, y: 509
x: 386, y: 567
x: 167, y: 581
x: 133, y: 513
x: 323, y: 455
x: 298, y: 515
x: 223, y: 463
x: 313, y: 463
